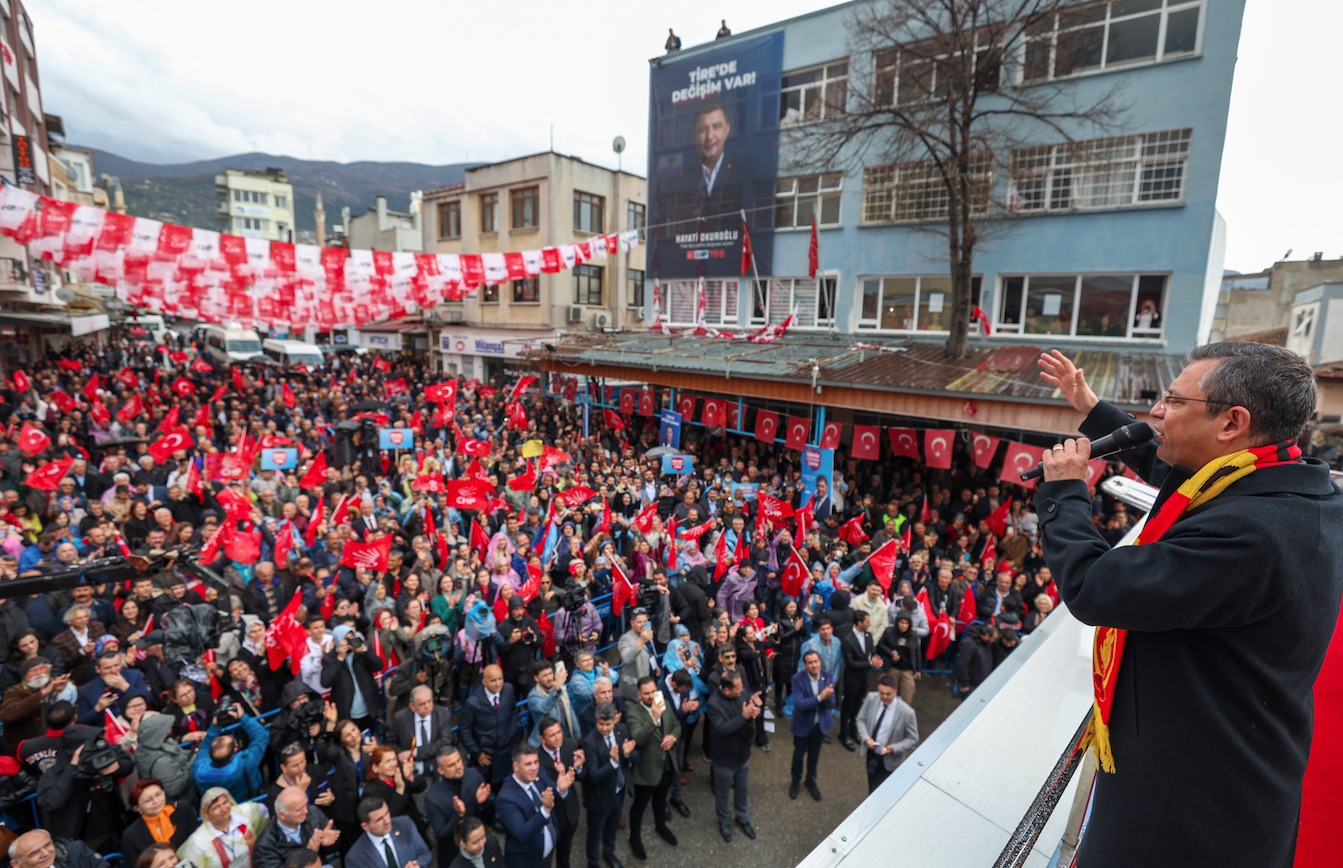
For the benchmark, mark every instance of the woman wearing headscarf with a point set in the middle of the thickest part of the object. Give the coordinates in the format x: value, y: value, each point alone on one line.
x: 685, y: 653
x: 227, y: 833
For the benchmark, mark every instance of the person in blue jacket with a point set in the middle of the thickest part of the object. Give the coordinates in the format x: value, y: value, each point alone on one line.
x: 224, y: 764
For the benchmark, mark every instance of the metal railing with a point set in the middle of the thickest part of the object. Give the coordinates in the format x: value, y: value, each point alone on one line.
x: 1022, y: 842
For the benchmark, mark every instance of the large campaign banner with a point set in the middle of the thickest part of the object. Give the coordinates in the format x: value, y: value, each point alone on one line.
x: 713, y: 153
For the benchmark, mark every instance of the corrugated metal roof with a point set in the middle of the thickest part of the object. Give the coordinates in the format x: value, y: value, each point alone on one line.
x: 858, y: 360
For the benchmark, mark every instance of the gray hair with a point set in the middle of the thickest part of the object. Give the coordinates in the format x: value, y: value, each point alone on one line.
x: 602, y: 681
x: 420, y: 690
x: 578, y: 658
x: 121, y: 478
x: 71, y: 612
x: 606, y: 711
x: 1275, y: 384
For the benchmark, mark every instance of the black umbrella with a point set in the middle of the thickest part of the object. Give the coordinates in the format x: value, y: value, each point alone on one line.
x: 121, y: 441
x: 371, y: 406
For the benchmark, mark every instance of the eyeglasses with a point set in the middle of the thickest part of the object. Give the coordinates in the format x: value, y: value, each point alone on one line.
x: 1167, y: 396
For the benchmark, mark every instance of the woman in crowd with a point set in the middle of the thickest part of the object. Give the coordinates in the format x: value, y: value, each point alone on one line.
x: 227, y: 833
x: 159, y: 821
x: 395, y: 782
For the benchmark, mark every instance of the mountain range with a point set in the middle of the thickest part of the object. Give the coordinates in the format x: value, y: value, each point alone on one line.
x: 184, y: 193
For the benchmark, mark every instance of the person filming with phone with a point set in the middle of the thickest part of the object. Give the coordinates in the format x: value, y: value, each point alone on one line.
x: 1212, y: 627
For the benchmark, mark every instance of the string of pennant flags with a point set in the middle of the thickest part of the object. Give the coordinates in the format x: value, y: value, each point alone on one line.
x: 215, y: 277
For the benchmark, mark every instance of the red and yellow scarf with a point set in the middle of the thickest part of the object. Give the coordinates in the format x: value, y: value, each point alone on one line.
x: 1108, y: 650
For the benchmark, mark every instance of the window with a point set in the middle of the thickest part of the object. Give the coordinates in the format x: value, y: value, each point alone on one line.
x: 1106, y: 35
x: 237, y: 195
x: 906, y: 192
x: 527, y: 290
x: 489, y: 294
x: 720, y: 301
x: 811, y: 94
x: 1305, y: 323
x: 797, y: 199
x: 282, y: 229
x: 525, y: 207
x: 489, y: 212
x: 780, y: 296
x: 921, y: 71
x: 1101, y: 173
x: 249, y: 196
x: 1088, y: 305
x: 637, y: 218
x: 911, y: 303
x: 588, y: 284
x: 588, y: 213
x: 281, y: 201
x: 450, y: 219
x: 634, y: 288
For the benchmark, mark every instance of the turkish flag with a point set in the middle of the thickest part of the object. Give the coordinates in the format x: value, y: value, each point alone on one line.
x: 711, y: 414
x: 851, y: 531
x: 766, y: 425
x: 720, y: 555
x: 940, y: 631
x: 91, y: 388
x: 315, y: 475
x: 622, y: 590
x: 480, y: 541
x: 100, y: 413
x: 310, y: 536
x: 798, y: 428
x: 62, y: 401
x: 237, y: 506
x: 833, y: 431
x: 440, y: 392
x: 734, y: 415
x: 367, y: 555
x: 431, y: 482
x: 937, y: 447
x: 575, y: 496
x: 882, y: 562
x: 644, y: 520
x: 286, y: 638
x: 474, y: 448
x: 32, y: 440
x: 23, y: 384
x: 904, y: 441
x: 275, y: 441
x: 183, y: 387
x: 1018, y: 459
x: 989, y: 556
x: 199, y: 365
x: 383, y: 365
x: 177, y: 358
x: 645, y: 403
x: 612, y: 419
x: 985, y: 448
x: 126, y: 376
x: 467, y: 494
x: 49, y: 475
x: 997, y: 520
x: 521, y: 387
x: 287, y: 395
x: 685, y: 405
x: 969, y: 610
x: 806, y: 517
x: 170, y: 420
x: 238, y: 382
x: 129, y: 410
x: 525, y: 482
x: 194, y: 484
x: 1095, y: 469
x: 627, y: 398
x: 866, y: 442
x: 795, y: 574
x: 69, y: 365
x: 163, y: 448
x: 395, y: 387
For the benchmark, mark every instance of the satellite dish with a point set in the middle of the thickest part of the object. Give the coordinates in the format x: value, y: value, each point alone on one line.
x: 65, y: 295
x: 619, y: 144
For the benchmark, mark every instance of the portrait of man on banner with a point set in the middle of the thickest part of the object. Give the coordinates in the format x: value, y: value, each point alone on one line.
x: 669, y: 433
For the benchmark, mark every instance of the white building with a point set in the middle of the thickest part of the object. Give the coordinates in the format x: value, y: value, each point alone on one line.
x: 256, y: 204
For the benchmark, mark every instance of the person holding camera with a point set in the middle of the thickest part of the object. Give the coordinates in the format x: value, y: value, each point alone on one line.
x: 300, y: 718
x: 349, y: 671
x: 78, y: 795
x: 225, y: 764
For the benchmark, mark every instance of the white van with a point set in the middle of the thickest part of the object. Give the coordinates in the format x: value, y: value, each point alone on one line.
x: 230, y: 344
x: 290, y: 353
x: 151, y: 322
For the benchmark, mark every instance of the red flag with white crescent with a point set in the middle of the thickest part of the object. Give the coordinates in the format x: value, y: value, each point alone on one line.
x: 985, y: 447
x: 720, y: 556
x: 310, y: 537
x: 1019, y: 458
x: 32, y: 440
x: 937, y: 444
x: 904, y: 442
x: 831, y: 433
x: 49, y: 475
x: 622, y: 590
x: 882, y: 562
x: 852, y: 533
x: 796, y: 436
x: 795, y: 573
x: 287, y: 395
x: 315, y: 475
x: 866, y: 442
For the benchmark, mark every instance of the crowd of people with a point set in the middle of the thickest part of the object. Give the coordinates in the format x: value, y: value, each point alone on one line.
x: 382, y: 674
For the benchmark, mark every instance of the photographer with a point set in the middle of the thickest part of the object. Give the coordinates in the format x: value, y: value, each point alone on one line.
x: 300, y: 719
x: 224, y: 764
x: 349, y: 670
x: 578, y: 627
x: 78, y: 795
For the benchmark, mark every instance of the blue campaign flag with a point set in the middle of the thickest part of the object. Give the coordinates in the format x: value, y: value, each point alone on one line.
x: 396, y: 438
x: 279, y: 459
x: 678, y: 464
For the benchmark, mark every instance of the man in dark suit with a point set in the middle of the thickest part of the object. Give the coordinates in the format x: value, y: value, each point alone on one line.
x: 607, y: 772
x: 366, y: 523
x: 424, y: 726
x: 557, y: 752
x: 860, y: 658
x: 813, y: 716
x: 105, y: 691
x: 602, y: 691
x: 489, y: 725
x: 527, y: 807
x: 680, y: 698
x: 387, y: 842
x: 1229, y: 612
x: 457, y: 793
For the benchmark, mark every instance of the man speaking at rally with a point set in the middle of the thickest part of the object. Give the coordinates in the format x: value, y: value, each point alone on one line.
x: 1212, y: 627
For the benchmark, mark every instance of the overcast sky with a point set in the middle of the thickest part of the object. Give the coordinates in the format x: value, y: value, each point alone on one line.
x: 437, y: 82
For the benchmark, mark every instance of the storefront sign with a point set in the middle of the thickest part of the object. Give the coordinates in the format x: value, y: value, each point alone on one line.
x: 83, y: 325
x: 380, y: 340
x: 25, y: 169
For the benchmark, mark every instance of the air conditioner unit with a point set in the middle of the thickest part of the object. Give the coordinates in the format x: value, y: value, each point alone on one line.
x: 600, y: 320
x: 576, y: 314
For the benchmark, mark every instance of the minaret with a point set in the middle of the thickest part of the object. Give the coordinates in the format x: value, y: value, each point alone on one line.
x: 319, y: 214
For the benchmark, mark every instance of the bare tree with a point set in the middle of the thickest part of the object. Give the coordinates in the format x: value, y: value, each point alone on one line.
x: 951, y: 87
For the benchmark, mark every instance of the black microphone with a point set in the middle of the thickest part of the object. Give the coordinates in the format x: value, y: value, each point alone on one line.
x: 1116, y: 441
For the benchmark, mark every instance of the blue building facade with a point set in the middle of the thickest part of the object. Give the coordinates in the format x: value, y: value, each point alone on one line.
x: 1112, y: 243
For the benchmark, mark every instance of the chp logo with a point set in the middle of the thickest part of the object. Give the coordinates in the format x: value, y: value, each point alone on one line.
x: 398, y: 439
x: 677, y: 463
x: 279, y: 457
x: 812, y: 457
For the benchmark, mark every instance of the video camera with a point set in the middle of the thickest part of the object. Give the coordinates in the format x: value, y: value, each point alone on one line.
x: 306, y: 715
x: 228, y: 712
x: 96, y: 758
